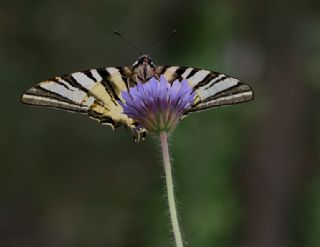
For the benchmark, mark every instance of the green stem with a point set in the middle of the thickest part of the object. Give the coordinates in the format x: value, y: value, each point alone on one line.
x: 170, y: 191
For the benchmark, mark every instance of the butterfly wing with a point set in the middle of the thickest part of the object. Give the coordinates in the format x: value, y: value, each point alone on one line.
x: 213, y: 89
x: 93, y: 92
x: 96, y: 92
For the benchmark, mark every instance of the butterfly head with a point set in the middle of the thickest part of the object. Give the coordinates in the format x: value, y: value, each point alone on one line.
x: 143, y: 68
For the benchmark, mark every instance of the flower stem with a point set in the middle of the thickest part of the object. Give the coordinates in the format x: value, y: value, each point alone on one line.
x: 170, y: 191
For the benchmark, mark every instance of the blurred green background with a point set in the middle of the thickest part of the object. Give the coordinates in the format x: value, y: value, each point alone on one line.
x: 246, y: 175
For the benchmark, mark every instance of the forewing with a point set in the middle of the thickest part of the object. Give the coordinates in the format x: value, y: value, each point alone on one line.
x: 94, y: 92
x: 213, y: 89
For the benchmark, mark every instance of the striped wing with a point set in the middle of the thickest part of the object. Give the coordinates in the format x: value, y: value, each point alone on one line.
x: 213, y: 89
x: 94, y: 92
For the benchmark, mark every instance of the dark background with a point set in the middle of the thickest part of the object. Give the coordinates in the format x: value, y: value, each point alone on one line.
x: 246, y: 175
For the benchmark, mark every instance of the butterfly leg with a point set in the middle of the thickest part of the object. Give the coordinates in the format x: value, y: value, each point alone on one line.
x: 138, y: 134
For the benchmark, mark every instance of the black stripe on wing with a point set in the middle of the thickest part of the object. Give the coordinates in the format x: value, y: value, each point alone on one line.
x: 41, y: 97
x: 103, y: 119
x: 108, y: 85
x: 73, y: 82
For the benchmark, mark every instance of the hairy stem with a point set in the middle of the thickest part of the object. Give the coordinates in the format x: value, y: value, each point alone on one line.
x: 170, y: 191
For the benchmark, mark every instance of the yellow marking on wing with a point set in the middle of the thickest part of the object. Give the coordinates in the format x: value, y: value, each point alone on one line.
x: 99, y: 92
x: 120, y: 117
x: 118, y: 83
x: 116, y: 111
x: 196, y: 99
x: 113, y: 111
x: 100, y: 109
x: 85, y: 99
x: 109, y: 109
x: 169, y: 74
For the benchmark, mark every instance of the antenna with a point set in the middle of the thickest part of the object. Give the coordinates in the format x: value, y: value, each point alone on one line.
x: 173, y: 32
x: 127, y: 41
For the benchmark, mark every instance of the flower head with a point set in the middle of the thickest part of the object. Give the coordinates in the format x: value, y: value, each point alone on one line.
x: 158, y: 105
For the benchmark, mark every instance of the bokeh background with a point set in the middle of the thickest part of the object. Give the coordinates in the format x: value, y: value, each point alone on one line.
x: 246, y: 175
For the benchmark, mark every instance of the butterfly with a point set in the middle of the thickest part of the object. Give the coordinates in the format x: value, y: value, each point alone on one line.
x: 97, y: 92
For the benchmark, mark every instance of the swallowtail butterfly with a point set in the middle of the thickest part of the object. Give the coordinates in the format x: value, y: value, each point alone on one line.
x: 96, y: 92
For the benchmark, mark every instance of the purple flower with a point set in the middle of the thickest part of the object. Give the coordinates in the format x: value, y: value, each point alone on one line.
x: 158, y: 105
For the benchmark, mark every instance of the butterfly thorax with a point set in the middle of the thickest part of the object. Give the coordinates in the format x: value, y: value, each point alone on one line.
x: 143, y: 69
